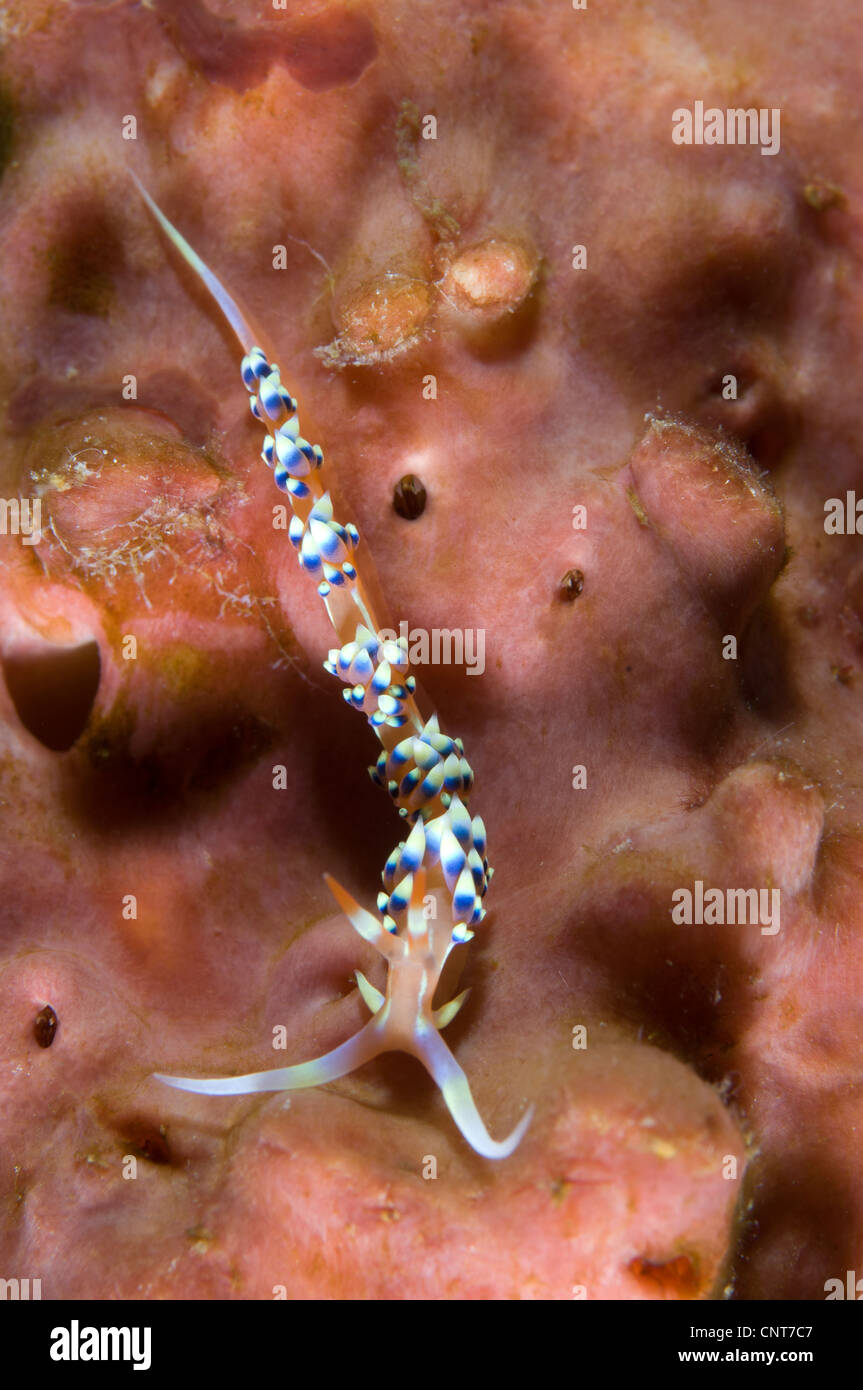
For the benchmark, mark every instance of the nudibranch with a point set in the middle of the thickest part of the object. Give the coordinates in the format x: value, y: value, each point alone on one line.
x: 436, y: 878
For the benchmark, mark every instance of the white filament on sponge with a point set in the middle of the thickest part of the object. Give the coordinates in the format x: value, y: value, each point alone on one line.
x: 424, y: 771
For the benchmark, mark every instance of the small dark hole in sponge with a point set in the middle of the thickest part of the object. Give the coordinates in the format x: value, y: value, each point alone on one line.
x: 571, y: 585
x: 53, y: 691
x: 409, y: 497
x: 148, y: 1141
x: 45, y: 1026
x: 155, y: 1148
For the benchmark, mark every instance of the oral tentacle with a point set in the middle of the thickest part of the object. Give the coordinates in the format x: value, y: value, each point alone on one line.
x: 330, y: 1066
x: 440, y: 1063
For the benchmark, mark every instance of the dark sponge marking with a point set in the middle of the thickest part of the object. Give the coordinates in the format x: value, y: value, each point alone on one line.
x: 7, y: 130
x: 113, y: 789
x: 82, y: 268
x: 332, y: 50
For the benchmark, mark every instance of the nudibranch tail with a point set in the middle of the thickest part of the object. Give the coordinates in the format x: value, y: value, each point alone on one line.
x: 226, y: 303
x: 436, y: 878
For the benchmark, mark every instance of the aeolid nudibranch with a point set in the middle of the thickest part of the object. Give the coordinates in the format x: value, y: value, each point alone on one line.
x: 436, y: 878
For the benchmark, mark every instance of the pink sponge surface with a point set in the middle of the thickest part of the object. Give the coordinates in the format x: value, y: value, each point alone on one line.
x: 177, y: 772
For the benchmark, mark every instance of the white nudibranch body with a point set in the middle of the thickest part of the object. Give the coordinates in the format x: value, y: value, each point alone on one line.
x: 436, y: 878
